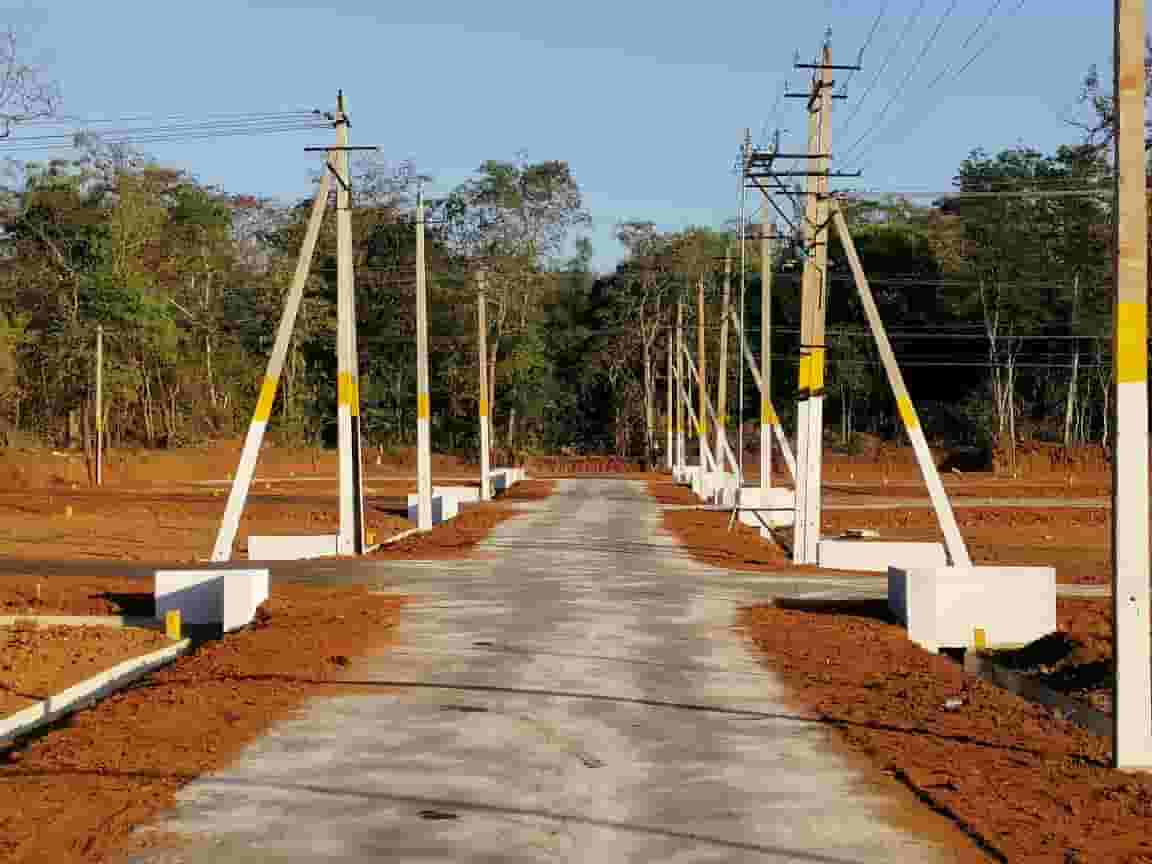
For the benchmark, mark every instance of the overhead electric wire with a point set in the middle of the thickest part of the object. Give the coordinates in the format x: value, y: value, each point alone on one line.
x: 867, y: 42
x: 904, y: 81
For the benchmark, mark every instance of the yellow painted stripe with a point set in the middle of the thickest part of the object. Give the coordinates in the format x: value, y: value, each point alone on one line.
x: 805, y: 360
x: 816, y: 370
x: 423, y: 411
x: 907, y: 412
x: 267, y: 397
x: 483, y: 407
x: 1131, y: 343
x: 344, y: 388
x: 768, y: 414
x: 355, y: 385
x: 99, y: 423
x: 701, y: 429
x: 723, y: 419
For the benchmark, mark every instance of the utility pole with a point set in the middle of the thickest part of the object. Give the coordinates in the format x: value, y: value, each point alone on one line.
x: 722, y: 373
x: 482, y: 362
x: 679, y: 371
x: 767, y: 415
x: 100, y: 405
x: 810, y: 413
x: 702, y: 375
x: 1132, y: 702
x: 670, y: 458
x: 423, y: 407
x: 351, y: 535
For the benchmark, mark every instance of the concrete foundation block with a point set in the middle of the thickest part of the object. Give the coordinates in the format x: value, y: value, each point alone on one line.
x: 444, y: 507
x: 500, y: 480
x: 462, y: 494
x: 291, y: 548
x: 943, y: 607
x: 227, y: 597
x: 774, y: 507
x: 877, y: 556
x: 720, y: 488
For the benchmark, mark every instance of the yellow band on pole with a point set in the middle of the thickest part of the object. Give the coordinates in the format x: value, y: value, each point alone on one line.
x: 805, y: 361
x: 816, y: 371
x: 907, y: 412
x: 344, y: 388
x: 701, y: 428
x: 768, y: 414
x: 267, y: 397
x: 483, y: 407
x: 1131, y: 343
x: 355, y: 396
x: 423, y: 411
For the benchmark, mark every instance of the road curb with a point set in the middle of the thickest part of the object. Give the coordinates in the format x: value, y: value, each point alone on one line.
x: 88, y: 691
x: 117, y: 621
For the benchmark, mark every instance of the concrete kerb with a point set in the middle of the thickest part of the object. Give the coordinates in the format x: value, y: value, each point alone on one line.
x: 877, y: 556
x: 90, y: 690
x: 205, y: 597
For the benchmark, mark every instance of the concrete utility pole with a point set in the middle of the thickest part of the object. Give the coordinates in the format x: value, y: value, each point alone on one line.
x: 1132, y: 704
x: 679, y: 371
x: 423, y: 406
x: 761, y: 385
x: 482, y: 362
x: 702, y: 376
x: 810, y: 408
x: 722, y: 373
x: 767, y: 415
x: 230, y: 523
x: 670, y: 458
x: 100, y: 405
x: 351, y: 535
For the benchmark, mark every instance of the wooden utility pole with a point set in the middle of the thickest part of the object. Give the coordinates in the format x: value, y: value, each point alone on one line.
x: 702, y: 374
x: 810, y: 407
x: 423, y: 406
x: 351, y: 534
x: 679, y: 371
x: 1132, y: 704
x: 767, y: 415
x: 482, y: 363
x: 99, y: 405
x: 722, y: 373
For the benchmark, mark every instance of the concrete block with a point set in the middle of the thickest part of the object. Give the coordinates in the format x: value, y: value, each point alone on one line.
x: 499, y: 479
x: 877, y: 556
x: 719, y: 488
x: 227, y: 597
x: 776, y: 507
x: 291, y: 548
x: 942, y: 607
x: 444, y: 507
x: 244, y: 591
x: 462, y: 494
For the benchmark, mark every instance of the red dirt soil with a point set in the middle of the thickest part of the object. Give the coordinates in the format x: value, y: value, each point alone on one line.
x: 38, y: 662
x: 75, y: 794
x: 1028, y: 786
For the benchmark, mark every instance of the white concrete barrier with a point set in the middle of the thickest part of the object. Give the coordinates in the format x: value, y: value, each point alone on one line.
x: 226, y: 597
x: 462, y: 494
x: 774, y: 507
x: 500, y: 480
x: 719, y: 488
x: 444, y: 507
x: 292, y: 548
x: 877, y: 556
x: 944, y: 607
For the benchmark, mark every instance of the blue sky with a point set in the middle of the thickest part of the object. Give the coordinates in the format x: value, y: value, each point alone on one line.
x: 647, y: 101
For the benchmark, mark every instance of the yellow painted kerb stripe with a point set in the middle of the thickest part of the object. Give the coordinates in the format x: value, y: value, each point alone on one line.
x: 423, y: 411
x: 1131, y: 343
x: 267, y: 397
x: 907, y: 412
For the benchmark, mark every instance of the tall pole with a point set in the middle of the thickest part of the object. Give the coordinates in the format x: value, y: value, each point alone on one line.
x: 722, y: 371
x: 810, y: 427
x: 745, y: 152
x: 351, y: 536
x: 423, y: 407
x: 767, y: 415
x: 670, y: 457
x: 679, y: 370
x: 482, y: 363
x: 230, y: 522
x: 1132, y: 708
x: 100, y: 405
x: 702, y: 375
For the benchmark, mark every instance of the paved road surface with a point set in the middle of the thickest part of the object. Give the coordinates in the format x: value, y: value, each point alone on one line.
x: 575, y: 695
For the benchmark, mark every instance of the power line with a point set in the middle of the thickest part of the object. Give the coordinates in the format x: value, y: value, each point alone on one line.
x: 867, y: 42
x: 907, y: 77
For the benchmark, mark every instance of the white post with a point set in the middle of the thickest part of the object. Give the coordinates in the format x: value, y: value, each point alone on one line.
x: 723, y: 449
x: 670, y: 458
x: 721, y: 418
x: 771, y: 415
x: 767, y: 415
x: 707, y: 460
x: 679, y: 371
x: 485, y: 411
x: 230, y: 523
x: 1132, y: 700
x: 953, y: 541
x: 351, y: 533
x: 702, y: 376
x: 423, y: 407
x: 100, y: 405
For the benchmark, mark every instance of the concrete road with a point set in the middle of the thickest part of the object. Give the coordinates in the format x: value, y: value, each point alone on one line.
x: 575, y: 694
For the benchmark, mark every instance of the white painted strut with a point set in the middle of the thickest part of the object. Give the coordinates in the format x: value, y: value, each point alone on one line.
x: 229, y: 525
x: 423, y: 407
